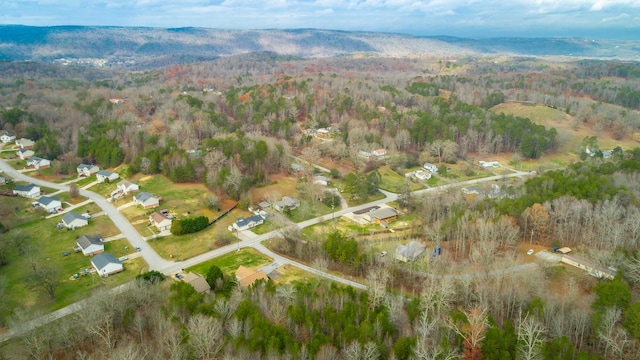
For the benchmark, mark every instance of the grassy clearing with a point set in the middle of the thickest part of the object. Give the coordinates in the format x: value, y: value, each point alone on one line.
x: 394, y: 182
x: 46, y: 245
x: 190, y: 245
x: 230, y: 262
x: 290, y: 274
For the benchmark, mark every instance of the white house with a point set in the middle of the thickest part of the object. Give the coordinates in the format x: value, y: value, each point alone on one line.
x: 38, y: 163
x: 248, y: 223
x: 422, y: 175
x: 104, y: 175
x: 287, y: 202
x: 489, y: 164
x: 73, y: 220
x: 51, y: 204
x: 126, y: 187
x: 409, y: 252
x: 146, y: 200
x: 24, y: 153
x: 321, y: 180
x: 106, y: 264
x: 160, y: 221
x: 29, y: 191
x: 87, y: 170
x: 90, y: 244
x: 430, y: 167
x: 25, y: 143
x: 7, y: 137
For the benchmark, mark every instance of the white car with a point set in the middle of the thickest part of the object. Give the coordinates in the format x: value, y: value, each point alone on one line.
x: 383, y: 254
x: 530, y: 252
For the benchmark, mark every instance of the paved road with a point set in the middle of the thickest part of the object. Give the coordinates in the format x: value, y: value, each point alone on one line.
x: 154, y: 260
x: 249, y: 239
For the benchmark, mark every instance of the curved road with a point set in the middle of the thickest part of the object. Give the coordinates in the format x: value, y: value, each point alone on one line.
x: 154, y: 260
x: 249, y: 239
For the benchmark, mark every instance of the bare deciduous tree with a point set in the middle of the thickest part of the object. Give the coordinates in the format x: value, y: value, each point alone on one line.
x: 531, y: 337
x: 205, y: 336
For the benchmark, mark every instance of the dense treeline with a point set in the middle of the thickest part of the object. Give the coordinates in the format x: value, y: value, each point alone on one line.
x: 450, y: 319
x: 189, y: 225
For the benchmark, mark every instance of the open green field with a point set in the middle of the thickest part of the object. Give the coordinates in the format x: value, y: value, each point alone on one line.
x: 230, y: 262
x: 43, y: 244
x: 394, y: 182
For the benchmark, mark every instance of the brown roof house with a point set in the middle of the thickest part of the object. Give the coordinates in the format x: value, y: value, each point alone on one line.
x: 199, y: 283
x: 160, y: 221
x: 384, y: 214
x: 246, y: 276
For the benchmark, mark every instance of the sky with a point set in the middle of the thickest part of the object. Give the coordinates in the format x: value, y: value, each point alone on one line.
x: 604, y: 19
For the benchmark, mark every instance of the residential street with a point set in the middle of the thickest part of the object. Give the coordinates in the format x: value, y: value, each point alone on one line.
x: 248, y: 239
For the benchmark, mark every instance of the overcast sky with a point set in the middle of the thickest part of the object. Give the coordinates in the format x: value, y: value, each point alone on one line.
x: 469, y: 18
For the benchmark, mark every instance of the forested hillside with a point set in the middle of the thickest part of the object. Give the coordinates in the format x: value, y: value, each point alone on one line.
x: 234, y: 123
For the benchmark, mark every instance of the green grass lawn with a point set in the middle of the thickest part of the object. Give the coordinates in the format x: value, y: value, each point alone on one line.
x: 230, y: 262
x: 355, y: 200
x: 309, y: 210
x: 394, y: 182
x: 85, y: 181
x: 45, y: 246
x: 189, y: 245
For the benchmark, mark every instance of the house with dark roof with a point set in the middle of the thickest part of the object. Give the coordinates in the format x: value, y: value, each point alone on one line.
x: 38, y: 163
x: 106, y: 264
x: 24, y: 153
x: 146, y: 200
x: 50, y: 204
x: 248, y: 223
x: 108, y: 176
x: 409, y: 252
x: 73, y: 220
x: 90, y: 244
x: 29, y: 191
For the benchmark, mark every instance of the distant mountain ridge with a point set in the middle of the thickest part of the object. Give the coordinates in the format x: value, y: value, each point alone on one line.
x: 128, y: 46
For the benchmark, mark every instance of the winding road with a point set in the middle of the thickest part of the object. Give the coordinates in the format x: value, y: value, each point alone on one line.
x: 247, y: 239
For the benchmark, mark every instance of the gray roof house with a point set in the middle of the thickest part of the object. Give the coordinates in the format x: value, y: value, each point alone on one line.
x: 24, y: 153
x: 106, y: 264
x: 25, y: 143
x: 104, y: 175
x: 384, y: 214
x: 28, y: 191
x: 248, y: 223
x: 146, y: 200
x: 87, y: 170
x: 90, y: 244
x: 50, y: 203
x: 38, y: 163
x: 409, y: 252
x: 74, y: 220
x: 287, y: 202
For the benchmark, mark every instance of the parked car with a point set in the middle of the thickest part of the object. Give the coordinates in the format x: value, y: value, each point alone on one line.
x: 530, y: 252
x: 383, y: 254
x: 138, y: 248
